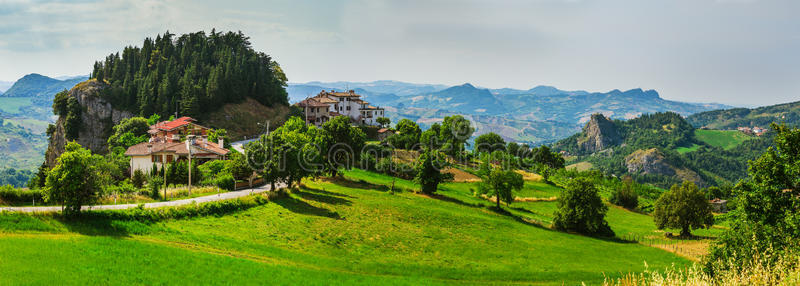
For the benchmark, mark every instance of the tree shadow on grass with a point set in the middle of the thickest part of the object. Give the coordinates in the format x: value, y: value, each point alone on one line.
x: 94, y: 226
x: 321, y: 196
x: 326, y: 192
x: 502, y: 211
x: 298, y: 206
x: 360, y: 184
x: 452, y: 200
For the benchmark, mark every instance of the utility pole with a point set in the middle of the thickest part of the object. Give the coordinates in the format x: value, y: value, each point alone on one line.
x: 189, y: 143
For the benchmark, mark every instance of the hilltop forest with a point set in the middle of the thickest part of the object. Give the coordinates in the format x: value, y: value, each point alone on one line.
x: 193, y: 74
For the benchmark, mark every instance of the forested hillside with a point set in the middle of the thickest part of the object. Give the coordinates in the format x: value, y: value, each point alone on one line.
x: 661, y: 148
x: 743, y: 117
x: 193, y: 74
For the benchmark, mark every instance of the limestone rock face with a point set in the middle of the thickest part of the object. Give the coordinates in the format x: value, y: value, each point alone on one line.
x: 598, y: 134
x: 649, y: 161
x: 97, y: 120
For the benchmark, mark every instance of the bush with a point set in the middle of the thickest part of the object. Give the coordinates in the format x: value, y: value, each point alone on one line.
x: 625, y: 196
x: 13, y: 196
x: 213, y: 168
x: 138, y: 179
x: 124, y: 187
x: 580, y: 209
x: 225, y: 182
x: 216, y: 208
x: 153, y: 186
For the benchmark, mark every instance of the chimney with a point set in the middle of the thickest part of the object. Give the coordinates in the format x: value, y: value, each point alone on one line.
x: 149, y: 148
x: 221, y: 141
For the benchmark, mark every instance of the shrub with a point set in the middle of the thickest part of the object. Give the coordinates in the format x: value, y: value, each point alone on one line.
x: 11, y: 195
x: 216, y: 208
x: 225, y: 182
x: 580, y: 209
x: 213, y: 168
x: 153, y: 185
x: 124, y: 187
x: 625, y: 196
x: 138, y: 179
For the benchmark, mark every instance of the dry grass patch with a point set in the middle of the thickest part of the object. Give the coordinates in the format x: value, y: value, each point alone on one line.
x: 528, y: 176
x: 460, y: 176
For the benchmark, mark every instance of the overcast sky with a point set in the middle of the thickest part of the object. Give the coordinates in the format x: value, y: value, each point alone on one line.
x: 742, y: 52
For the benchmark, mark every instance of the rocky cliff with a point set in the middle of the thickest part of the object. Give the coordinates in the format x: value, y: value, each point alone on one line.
x: 652, y: 161
x: 97, y: 119
x: 598, y: 134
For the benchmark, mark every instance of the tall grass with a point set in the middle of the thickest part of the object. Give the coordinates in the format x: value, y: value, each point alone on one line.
x: 761, y: 271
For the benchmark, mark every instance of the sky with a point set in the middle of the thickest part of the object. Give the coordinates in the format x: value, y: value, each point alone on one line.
x: 738, y: 52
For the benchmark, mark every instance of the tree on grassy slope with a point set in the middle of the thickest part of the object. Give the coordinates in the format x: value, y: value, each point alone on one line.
x: 501, y: 184
x: 429, y: 171
x: 580, y: 209
x: 684, y: 207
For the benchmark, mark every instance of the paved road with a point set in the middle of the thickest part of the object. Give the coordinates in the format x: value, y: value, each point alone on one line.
x: 209, y: 198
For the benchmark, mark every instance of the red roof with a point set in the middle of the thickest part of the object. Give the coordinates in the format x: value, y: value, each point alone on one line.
x: 147, y: 148
x: 170, y: 125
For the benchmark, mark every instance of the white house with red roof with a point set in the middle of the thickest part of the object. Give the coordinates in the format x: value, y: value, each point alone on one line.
x: 328, y: 104
x: 167, y: 144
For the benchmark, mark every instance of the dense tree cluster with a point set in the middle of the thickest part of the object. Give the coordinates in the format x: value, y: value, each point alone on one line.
x: 192, y: 74
x: 766, y: 222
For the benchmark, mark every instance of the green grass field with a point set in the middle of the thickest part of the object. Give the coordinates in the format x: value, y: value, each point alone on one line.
x: 725, y: 139
x: 683, y: 150
x: 343, y: 231
x: 13, y: 104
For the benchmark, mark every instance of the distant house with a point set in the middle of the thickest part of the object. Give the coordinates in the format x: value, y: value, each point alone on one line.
x: 719, y: 206
x: 167, y: 144
x: 384, y: 133
x: 328, y: 104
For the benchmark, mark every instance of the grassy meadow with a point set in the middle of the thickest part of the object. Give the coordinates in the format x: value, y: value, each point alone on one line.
x: 349, y: 230
x: 725, y: 139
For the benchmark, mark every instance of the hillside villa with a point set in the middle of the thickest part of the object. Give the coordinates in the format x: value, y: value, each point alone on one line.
x: 328, y: 104
x: 758, y: 131
x: 167, y: 144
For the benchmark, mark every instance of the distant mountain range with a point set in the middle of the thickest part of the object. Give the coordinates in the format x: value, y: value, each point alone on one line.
x: 39, y: 86
x: 562, y: 112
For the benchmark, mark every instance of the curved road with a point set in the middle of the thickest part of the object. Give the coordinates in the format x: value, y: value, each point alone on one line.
x: 209, y: 198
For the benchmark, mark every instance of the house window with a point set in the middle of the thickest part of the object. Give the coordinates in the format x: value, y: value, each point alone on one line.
x: 348, y: 108
x: 155, y: 158
x: 169, y: 158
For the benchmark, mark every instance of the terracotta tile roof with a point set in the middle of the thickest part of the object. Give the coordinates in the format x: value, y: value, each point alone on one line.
x: 178, y: 148
x: 171, y: 125
x: 382, y: 130
x: 311, y: 102
x: 325, y: 99
x: 340, y: 94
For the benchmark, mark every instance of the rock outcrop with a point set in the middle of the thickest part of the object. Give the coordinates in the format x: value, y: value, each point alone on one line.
x: 652, y: 161
x: 97, y: 119
x: 598, y: 134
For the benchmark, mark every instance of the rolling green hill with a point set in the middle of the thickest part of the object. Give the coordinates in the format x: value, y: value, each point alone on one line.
x: 727, y: 119
x: 343, y: 231
x: 725, y: 139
